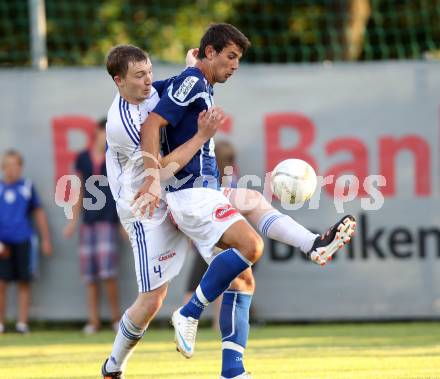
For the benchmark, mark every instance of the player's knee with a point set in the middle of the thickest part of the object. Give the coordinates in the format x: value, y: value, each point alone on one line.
x: 244, y: 282
x: 249, y: 199
x: 247, y: 281
x: 259, y: 247
x: 254, y: 247
x: 156, y: 303
x: 150, y: 303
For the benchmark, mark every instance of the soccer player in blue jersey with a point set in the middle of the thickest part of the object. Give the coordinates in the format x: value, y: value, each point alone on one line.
x: 203, y: 212
x: 159, y: 248
x: 19, y: 203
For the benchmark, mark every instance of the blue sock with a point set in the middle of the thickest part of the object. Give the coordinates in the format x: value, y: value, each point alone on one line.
x: 234, y: 326
x: 224, y: 268
x: 194, y: 307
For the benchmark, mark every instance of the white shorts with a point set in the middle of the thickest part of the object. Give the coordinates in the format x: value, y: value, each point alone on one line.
x: 203, y: 214
x: 159, y: 249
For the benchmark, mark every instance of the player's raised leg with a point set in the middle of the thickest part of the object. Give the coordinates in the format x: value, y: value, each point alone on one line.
x: 326, y: 245
x: 244, y: 244
x: 280, y: 227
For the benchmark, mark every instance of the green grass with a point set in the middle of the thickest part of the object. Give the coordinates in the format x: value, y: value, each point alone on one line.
x: 333, y: 351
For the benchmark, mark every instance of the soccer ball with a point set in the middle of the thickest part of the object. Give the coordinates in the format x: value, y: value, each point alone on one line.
x: 293, y: 181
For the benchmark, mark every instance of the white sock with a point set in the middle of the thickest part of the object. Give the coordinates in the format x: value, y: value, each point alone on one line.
x: 126, y: 339
x: 280, y: 227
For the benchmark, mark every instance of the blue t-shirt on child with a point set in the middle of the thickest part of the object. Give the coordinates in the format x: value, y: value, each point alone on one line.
x: 17, y: 201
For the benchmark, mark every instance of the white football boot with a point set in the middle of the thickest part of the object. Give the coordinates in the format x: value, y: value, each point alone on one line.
x: 326, y: 245
x: 185, y: 330
x: 245, y: 375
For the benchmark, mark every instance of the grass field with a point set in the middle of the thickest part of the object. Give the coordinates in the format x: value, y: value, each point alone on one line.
x: 345, y: 351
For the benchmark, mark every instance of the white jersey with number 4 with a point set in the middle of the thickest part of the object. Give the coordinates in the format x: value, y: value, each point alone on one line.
x: 159, y: 248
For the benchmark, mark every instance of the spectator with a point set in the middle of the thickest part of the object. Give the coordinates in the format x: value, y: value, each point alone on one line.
x: 227, y: 165
x: 19, y: 202
x: 98, y: 233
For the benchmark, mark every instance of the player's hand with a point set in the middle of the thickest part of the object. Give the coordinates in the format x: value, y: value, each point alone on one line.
x: 191, y: 57
x: 147, y: 199
x: 69, y: 230
x: 209, y: 121
x: 46, y: 247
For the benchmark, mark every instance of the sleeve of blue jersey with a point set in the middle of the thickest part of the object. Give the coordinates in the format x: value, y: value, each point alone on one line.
x: 178, y: 96
x: 35, y: 199
x: 161, y: 85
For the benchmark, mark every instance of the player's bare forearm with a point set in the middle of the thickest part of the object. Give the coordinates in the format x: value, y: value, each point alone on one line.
x: 147, y: 198
x: 150, y: 142
x: 180, y: 156
x: 208, y: 123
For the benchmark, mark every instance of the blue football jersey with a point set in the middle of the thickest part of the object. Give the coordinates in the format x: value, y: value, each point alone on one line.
x: 161, y: 85
x: 17, y: 201
x: 183, y: 97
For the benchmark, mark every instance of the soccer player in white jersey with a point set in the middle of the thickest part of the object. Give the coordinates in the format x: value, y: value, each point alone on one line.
x: 203, y: 212
x: 159, y: 248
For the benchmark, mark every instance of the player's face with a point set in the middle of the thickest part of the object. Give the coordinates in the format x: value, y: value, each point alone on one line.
x: 11, y: 168
x: 136, y: 86
x: 226, y: 63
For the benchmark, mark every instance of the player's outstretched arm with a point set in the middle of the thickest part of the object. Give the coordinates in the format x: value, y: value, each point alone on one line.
x: 148, y: 196
x: 208, y: 123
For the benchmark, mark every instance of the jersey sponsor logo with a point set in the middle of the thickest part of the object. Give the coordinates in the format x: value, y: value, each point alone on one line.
x: 198, y: 304
x: 185, y: 88
x: 25, y: 191
x: 224, y: 212
x: 10, y: 196
x: 168, y: 255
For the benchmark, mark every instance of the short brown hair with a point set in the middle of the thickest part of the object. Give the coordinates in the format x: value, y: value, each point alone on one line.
x: 221, y: 35
x: 120, y: 56
x: 14, y: 153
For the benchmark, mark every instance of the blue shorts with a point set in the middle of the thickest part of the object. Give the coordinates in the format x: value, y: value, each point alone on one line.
x: 16, y: 264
